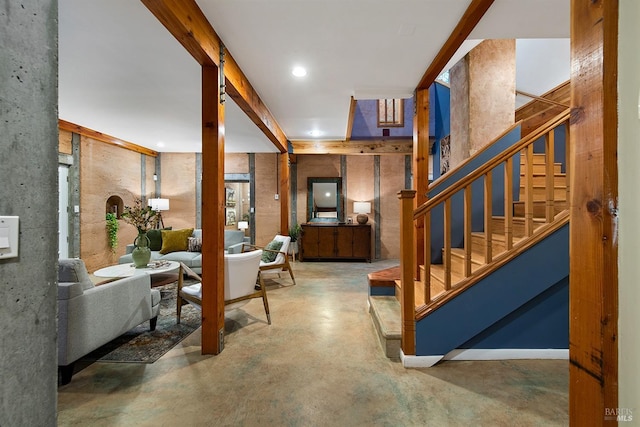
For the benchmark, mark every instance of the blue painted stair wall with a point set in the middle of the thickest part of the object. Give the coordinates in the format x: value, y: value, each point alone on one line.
x: 523, y: 304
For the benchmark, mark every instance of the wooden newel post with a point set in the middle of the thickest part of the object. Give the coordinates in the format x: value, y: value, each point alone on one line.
x: 407, y: 297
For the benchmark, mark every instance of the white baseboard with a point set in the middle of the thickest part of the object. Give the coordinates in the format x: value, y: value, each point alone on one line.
x: 485, y: 354
x: 507, y: 353
x: 418, y: 361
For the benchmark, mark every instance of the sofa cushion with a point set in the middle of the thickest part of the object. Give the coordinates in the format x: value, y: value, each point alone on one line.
x: 181, y: 256
x: 74, y: 270
x: 267, y: 255
x: 155, y: 238
x: 194, y: 244
x: 233, y: 237
x: 175, y: 240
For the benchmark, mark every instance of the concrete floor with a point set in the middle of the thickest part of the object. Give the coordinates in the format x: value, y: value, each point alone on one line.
x: 318, y: 364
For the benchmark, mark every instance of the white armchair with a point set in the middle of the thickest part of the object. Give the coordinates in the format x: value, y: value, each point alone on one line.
x: 90, y: 316
x: 279, y: 258
x: 240, y: 274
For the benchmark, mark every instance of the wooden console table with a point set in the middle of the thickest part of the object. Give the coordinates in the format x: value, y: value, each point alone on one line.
x: 335, y: 241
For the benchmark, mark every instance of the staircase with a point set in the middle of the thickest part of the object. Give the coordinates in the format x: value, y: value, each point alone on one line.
x: 508, y: 209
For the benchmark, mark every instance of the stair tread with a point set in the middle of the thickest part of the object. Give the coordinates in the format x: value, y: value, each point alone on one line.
x: 539, y: 202
x: 419, y: 291
x: 459, y: 253
x: 437, y: 271
x: 521, y: 219
x: 495, y: 236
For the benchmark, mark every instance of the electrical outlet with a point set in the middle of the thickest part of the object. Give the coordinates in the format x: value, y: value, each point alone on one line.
x: 277, y: 197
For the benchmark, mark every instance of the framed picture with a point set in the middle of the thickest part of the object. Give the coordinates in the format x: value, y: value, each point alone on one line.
x: 445, y: 154
x: 230, y: 216
x: 230, y: 196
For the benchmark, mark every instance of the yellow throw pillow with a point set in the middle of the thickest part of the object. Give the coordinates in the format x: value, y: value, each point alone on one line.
x: 175, y: 240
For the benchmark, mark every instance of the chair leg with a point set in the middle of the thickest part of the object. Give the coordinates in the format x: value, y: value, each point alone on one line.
x: 181, y: 274
x: 288, y: 267
x: 66, y: 372
x: 152, y: 323
x: 264, y: 298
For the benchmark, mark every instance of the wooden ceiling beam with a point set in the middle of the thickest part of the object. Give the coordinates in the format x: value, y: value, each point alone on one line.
x: 376, y: 146
x: 188, y: 24
x: 467, y: 23
x: 103, y: 137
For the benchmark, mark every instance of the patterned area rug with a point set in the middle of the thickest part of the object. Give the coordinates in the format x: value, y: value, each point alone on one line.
x: 140, y: 345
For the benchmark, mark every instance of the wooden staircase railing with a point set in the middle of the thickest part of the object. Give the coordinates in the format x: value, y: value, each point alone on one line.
x: 542, y: 207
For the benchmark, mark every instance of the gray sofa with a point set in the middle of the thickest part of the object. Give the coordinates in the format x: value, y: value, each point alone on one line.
x: 233, y: 243
x: 90, y: 316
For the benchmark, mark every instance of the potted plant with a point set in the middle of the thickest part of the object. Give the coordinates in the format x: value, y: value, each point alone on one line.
x: 143, y: 218
x: 294, y: 233
x: 112, y: 230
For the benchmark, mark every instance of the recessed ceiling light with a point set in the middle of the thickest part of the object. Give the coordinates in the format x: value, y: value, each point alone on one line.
x: 160, y: 144
x: 299, y: 71
x: 315, y: 133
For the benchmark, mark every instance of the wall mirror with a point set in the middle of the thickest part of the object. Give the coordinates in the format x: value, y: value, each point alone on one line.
x: 324, y: 200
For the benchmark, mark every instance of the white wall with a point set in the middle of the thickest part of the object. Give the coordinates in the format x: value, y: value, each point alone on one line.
x: 629, y: 225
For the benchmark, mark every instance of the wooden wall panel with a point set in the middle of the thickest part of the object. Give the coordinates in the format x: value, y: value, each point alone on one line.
x: 267, y: 208
x: 179, y: 186
x: 105, y: 171
x: 391, y: 181
x: 64, y: 142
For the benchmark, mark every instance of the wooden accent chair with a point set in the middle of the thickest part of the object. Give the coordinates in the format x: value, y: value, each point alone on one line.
x: 242, y: 282
x: 281, y: 260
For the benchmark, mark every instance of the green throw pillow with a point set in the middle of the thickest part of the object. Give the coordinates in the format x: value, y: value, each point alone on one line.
x: 268, y: 256
x: 155, y: 238
x: 175, y: 240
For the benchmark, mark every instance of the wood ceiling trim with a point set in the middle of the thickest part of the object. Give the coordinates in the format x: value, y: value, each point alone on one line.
x: 368, y: 147
x: 469, y: 20
x: 188, y: 24
x: 103, y: 137
x: 352, y: 113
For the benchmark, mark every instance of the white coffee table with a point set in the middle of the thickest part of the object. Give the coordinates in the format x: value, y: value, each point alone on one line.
x: 159, y: 275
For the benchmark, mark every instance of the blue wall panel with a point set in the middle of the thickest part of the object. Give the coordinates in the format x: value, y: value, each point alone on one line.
x: 497, y: 296
x: 365, y: 120
x: 529, y: 326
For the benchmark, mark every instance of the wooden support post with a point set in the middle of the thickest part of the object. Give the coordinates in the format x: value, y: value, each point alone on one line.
x: 213, y: 203
x: 420, y: 165
x: 593, y: 241
x: 407, y: 277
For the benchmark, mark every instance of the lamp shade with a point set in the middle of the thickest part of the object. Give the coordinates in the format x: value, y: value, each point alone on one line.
x: 362, y: 207
x: 159, y: 204
x: 243, y: 225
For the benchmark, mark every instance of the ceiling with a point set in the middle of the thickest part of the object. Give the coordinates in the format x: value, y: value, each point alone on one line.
x: 123, y: 74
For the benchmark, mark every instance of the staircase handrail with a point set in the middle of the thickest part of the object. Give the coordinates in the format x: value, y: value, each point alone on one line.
x: 497, y: 160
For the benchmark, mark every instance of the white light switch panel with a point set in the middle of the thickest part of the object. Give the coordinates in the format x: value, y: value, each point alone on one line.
x: 9, y: 227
